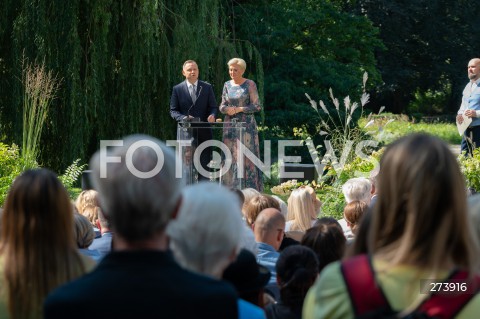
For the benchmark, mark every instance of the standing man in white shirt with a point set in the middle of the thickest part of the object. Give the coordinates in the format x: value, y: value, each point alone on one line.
x: 470, y: 108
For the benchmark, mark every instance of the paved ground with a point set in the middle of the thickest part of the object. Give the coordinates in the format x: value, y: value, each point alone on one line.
x: 455, y: 149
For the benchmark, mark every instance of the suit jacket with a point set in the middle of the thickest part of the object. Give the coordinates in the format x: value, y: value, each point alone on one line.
x: 181, y: 103
x: 142, y: 284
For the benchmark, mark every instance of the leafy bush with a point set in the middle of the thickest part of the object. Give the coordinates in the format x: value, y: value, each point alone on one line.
x: 333, y: 201
x: 11, y: 165
x: 470, y: 166
x: 70, y: 177
x: 429, y: 102
x: 331, y: 190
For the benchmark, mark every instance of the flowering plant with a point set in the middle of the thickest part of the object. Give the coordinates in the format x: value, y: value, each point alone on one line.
x: 287, y: 187
x: 470, y: 166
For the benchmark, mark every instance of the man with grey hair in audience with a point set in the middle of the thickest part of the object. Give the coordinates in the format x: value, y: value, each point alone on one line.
x: 269, y: 230
x: 207, y: 234
x: 139, y: 195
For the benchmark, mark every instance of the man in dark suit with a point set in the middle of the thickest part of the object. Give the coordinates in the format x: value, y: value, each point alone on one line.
x: 194, y: 100
x: 140, y: 278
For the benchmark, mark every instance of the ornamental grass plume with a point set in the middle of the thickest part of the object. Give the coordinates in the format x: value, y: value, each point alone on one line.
x: 41, y: 87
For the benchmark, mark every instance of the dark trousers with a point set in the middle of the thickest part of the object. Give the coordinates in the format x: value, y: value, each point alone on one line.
x: 470, y: 140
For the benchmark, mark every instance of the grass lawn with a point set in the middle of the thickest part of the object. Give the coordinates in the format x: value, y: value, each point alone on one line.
x: 385, y: 130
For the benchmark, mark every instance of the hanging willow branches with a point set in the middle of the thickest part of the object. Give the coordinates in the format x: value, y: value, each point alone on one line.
x: 119, y: 60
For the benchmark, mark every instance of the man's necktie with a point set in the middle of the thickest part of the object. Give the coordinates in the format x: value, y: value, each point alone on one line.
x: 193, y: 93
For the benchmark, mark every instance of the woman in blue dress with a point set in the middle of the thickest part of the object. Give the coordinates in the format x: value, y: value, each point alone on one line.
x: 239, y: 103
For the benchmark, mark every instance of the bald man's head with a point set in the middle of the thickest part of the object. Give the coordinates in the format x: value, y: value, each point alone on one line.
x: 474, y: 69
x: 269, y: 227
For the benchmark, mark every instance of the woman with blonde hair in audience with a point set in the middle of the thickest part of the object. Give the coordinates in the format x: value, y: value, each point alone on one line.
x: 37, y: 247
x: 301, y: 210
x: 86, y: 198
x: 87, y: 204
x: 419, y: 228
x: 317, y: 204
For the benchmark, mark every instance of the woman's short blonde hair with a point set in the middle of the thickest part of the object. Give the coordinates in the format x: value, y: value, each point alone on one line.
x: 301, y: 209
x: 240, y: 62
x: 86, y: 198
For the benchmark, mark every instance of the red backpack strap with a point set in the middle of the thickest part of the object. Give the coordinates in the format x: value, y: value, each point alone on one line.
x: 448, y: 305
x: 365, y: 295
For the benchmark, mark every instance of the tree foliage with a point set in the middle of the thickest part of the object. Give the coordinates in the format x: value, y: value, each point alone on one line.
x: 428, y: 45
x: 118, y: 59
x: 306, y: 47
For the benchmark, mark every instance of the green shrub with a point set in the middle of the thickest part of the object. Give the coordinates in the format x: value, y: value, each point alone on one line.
x: 331, y: 190
x: 70, y: 177
x: 429, y: 102
x: 470, y: 167
x: 11, y: 165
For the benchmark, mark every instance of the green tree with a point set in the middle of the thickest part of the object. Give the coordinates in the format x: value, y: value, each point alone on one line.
x: 306, y: 47
x: 118, y: 60
x: 428, y: 45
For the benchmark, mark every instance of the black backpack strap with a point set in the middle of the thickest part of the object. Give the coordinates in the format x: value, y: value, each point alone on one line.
x: 368, y: 299
x: 448, y: 305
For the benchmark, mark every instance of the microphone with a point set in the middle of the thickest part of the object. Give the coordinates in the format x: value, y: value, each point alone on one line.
x: 191, y: 106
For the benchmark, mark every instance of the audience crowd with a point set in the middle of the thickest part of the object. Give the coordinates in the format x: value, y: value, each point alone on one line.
x: 150, y: 247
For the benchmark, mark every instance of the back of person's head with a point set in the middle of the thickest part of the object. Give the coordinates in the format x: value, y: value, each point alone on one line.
x: 86, y: 198
x: 37, y: 241
x: 83, y: 231
x: 297, y: 269
x: 240, y: 196
x: 327, y: 220
x: 283, y: 205
x: 91, y: 213
x: 248, y: 277
x: 301, y: 209
x: 327, y: 241
x: 248, y: 194
x: 257, y: 204
x: 269, y: 227
x: 207, y: 232
x: 317, y: 204
x: 353, y: 213
x: 137, y: 187
x: 357, y: 188
x: 104, y: 223
x: 359, y: 244
x: 420, y: 217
